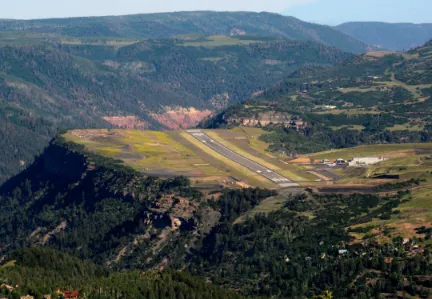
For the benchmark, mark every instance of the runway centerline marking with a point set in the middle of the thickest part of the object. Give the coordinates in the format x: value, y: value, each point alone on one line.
x: 252, y: 165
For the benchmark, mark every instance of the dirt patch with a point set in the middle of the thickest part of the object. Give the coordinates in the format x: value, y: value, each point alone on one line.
x: 408, y: 229
x: 302, y: 160
x: 94, y: 134
x: 242, y: 184
x: 400, y: 154
x: 127, y: 122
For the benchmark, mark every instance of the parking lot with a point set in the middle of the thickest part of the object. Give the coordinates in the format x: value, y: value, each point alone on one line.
x: 252, y: 165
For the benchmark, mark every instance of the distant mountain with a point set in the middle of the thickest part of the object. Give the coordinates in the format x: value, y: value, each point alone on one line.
x: 164, y: 25
x: 395, y: 37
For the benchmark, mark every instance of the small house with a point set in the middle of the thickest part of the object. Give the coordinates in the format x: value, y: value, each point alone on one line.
x: 71, y: 294
x: 388, y: 260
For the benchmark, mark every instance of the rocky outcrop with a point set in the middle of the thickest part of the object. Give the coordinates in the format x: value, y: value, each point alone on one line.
x: 180, y: 118
x: 237, y: 31
x: 263, y: 119
x: 220, y: 101
x: 68, y: 187
x: 138, y: 67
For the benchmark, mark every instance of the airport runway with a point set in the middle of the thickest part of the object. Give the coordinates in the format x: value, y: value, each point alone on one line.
x: 252, y: 165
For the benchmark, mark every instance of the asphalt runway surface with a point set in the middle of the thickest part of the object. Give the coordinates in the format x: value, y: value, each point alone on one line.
x: 252, y: 165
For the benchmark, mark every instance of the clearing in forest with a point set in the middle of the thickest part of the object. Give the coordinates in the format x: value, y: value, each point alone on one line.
x: 170, y: 154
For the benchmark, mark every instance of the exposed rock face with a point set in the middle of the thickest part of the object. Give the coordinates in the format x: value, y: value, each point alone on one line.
x: 127, y: 122
x: 175, y: 223
x: 179, y: 207
x: 180, y: 118
x: 237, y: 31
x: 68, y: 177
x: 273, y: 62
x: 138, y: 67
x: 257, y: 93
x: 263, y: 119
x: 220, y: 101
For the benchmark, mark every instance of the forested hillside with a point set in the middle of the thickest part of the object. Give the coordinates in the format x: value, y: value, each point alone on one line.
x: 141, y: 85
x: 116, y: 230
x: 371, y: 98
x: 389, y: 36
x: 204, y: 23
x: 57, y: 270
x: 96, y: 208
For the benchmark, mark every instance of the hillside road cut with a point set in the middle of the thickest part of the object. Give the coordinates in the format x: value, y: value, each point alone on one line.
x: 252, y: 165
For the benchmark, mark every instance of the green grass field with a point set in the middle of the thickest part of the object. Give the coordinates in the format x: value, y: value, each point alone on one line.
x: 235, y: 169
x: 371, y: 150
x: 219, y: 40
x: 8, y: 264
x: 212, y: 59
x: 145, y: 151
x: 246, y: 142
x: 166, y: 153
x: 415, y: 212
x: 407, y: 127
x: 218, y: 136
x: 270, y: 204
x: 351, y: 127
x: 349, y: 111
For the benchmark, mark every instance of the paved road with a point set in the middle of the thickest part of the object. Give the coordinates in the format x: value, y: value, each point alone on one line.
x: 252, y: 165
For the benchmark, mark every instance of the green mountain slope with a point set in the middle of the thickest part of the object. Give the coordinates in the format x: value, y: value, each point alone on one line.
x: 181, y: 23
x: 94, y: 210
x: 390, y: 36
x: 57, y: 270
x: 371, y: 98
x: 47, y: 87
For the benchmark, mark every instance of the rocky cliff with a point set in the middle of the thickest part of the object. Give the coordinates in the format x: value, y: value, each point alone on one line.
x: 94, y: 207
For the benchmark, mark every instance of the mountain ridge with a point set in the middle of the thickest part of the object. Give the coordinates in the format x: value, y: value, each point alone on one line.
x: 163, y: 25
x: 389, y: 36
